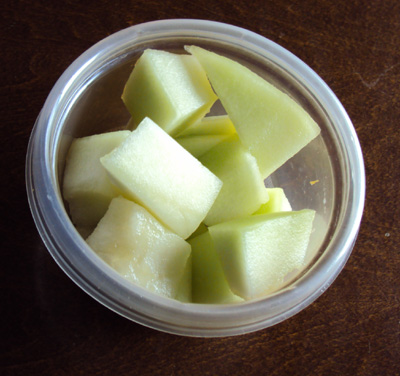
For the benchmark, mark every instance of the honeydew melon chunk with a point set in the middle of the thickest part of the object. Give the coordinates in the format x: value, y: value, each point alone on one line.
x: 197, y: 145
x: 243, y: 189
x: 209, y: 284
x: 184, y: 293
x: 269, y: 123
x: 152, y: 169
x: 218, y: 124
x: 171, y: 89
x: 277, y: 202
x: 257, y: 252
x: 86, y: 186
x: 140, y: 248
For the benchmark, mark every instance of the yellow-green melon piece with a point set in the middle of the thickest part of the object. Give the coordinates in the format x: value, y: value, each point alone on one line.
x: 277, y: 201
x: 171, y: 89
x: 257, y: 252
x: 151, y: 168
x: 86, y: 185
x: 197, y: 145
x: 243, y: 189
x: 209, y: 284
x: 141, y: 249
x: 184, y: 293
x: 270, y: 124
x: 211, y: 125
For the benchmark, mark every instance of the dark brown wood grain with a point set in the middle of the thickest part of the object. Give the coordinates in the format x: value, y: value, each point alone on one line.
x: 51, y: 327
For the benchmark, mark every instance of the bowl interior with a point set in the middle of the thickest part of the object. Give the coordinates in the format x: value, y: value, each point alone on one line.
x: 310, y: 179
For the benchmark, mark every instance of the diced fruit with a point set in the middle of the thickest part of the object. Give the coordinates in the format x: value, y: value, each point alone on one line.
x: 200, y: 144
x: 86, y: 186
x: 141, y: 249
x: 171, y: 89
x: 243, y: 189
x: 209, y: 284
x: 205, y: 134
x: 277, y: 202
x: 269, y: 123
x: 257, y: 252
x: 184, y: 293
x: 151, y: 168
x: 210, y: 125
x: 254, y: 240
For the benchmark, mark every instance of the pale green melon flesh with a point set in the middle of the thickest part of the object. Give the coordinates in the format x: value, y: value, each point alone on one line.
x: 235, y: 259
x: 197, y: 145
x: 140, y: 248
x: 220, y: 124
x: 184, y: 293
x: 269, y: 123
x: 243, y: 189
x: 257, y: 252
x: 277, y: 201
x: 151, y: 168
x: 86, y: 186
x: 171, y: 89
x: 209, y: 284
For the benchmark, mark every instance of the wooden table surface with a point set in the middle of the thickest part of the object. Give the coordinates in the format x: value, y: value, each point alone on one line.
x: 51, y: 327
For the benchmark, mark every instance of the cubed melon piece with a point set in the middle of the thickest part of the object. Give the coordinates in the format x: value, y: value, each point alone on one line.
x: 277, y: 201
x: 151, y: 168
x: 171, y: 89
x: 197, y: 145
x: 141, y: 249
x: 219, y: 124
x: 209, y: 284
x: 243, y: 189
x: 184, y: 293
x: 257, y: 252
x: 205, y: 134
x: 86, y: 185
x: 270, y: 124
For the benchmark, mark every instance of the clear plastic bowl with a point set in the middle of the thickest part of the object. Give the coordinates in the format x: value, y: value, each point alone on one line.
x: 328, y: 175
